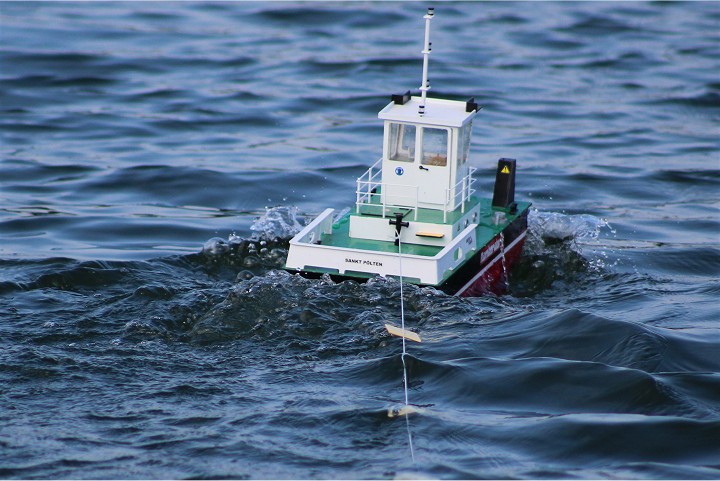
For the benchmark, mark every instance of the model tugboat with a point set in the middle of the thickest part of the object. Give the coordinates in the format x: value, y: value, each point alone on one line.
x: 416, y: 215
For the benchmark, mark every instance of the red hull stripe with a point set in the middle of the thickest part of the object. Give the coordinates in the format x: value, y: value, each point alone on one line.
x: 497, y: 258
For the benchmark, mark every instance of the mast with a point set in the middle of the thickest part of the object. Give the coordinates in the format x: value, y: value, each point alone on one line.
x: 426, y: 57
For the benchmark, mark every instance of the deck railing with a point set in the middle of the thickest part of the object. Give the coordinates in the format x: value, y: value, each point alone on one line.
x: 367, y: 185
x: 370, y: 188
x: 463, y: 190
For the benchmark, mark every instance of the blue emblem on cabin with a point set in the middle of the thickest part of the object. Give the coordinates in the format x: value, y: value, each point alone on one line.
x: 399, y: 171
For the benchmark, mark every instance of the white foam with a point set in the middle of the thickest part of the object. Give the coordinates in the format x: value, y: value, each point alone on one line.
x: 215, y: 246
x: 554, y: 225
x: 281, y: 221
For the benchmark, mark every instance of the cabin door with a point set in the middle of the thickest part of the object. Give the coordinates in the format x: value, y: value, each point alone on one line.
x: 433, y: 167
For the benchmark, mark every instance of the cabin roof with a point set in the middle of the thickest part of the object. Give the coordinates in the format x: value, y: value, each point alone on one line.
x: 438, y: 112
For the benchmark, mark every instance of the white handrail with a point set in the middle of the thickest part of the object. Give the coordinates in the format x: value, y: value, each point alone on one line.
x: 463, y: 189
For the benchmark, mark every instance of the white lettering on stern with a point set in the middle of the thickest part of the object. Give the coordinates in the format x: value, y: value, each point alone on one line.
x: 363, y: 262
x: 491, y: 249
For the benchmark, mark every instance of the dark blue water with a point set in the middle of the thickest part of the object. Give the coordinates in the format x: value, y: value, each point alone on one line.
x: 157, y: 157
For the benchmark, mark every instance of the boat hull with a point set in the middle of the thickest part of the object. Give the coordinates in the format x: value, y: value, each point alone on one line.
x: 486, y: 272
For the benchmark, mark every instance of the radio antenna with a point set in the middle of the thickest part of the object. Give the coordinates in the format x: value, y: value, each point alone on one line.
x: 426, y: 57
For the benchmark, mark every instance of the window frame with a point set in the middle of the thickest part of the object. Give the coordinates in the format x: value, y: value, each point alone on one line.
x: 398, y: 142
x: 448, y: 147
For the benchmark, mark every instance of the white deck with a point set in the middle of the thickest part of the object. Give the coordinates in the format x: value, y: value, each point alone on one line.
x: 306, y: 254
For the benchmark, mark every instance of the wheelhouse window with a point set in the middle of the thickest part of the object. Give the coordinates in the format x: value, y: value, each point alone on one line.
x: 402, y: 142
x: 435, y: 146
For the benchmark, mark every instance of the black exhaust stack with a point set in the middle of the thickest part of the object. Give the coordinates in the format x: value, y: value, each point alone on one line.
x: 504, y: 193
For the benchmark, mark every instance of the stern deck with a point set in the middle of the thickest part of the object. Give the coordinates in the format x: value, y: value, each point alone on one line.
x: 325, y: 246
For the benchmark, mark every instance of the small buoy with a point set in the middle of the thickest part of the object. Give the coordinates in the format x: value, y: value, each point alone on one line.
x: 399, y: 411
x: 396, y: 331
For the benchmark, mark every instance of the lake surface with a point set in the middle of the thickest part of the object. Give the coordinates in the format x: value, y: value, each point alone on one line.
x: 157, y: 157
